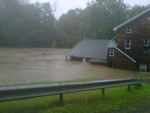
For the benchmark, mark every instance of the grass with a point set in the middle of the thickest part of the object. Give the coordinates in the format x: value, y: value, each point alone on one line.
x: 115, y: 100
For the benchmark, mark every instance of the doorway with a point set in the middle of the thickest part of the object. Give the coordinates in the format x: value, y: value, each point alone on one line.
x: 143, y: 68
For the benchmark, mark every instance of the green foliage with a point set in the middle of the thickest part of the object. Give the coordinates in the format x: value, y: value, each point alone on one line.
x: 96, y: 21
x: 117, y: 100
x: 23, y: 24
x: 26, y: 25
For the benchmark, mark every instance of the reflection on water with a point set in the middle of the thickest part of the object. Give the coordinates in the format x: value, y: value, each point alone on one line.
x: 23, y: 66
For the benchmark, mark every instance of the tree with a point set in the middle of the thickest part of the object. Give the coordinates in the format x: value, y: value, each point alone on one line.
x: 26, y: 25
x: 67, y: 26
x: 33, y: 25
x: 96, y: 21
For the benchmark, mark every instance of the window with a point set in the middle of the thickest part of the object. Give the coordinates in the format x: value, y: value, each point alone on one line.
x: 148, y: 18
x: 128, y: 29
x: 111, y: 52
x: 128, y: 44
x: 143, y: 68
x: 146, y: 42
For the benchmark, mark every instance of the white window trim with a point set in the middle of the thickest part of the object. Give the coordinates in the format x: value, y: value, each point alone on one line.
x: 146, y: 42
x: 128, y: 29
x: 148, y: 18
x: 143, y: 68
x: 111, y: 52
x: 127, y: 43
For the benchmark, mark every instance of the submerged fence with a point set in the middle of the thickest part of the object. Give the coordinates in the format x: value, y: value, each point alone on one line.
x: 8, y: 93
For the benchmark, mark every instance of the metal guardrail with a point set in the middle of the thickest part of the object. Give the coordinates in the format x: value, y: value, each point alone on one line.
x: 8, y: 93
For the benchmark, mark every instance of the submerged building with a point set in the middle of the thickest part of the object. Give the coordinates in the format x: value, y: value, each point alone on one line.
x: 130, y: 49
x: 91, y: 50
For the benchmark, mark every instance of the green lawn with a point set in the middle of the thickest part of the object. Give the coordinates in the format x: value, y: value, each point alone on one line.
x: 116, y: 100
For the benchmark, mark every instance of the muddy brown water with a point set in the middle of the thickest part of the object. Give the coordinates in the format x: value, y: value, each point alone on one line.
x: 40, y: 65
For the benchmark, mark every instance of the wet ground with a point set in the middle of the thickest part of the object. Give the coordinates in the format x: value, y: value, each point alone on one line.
x: 32, y: 65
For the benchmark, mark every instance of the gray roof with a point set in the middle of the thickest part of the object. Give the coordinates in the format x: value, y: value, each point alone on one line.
x: 112, y: 43
x: 131, y: 20
x: 90, y: 48
x: 125, y: 55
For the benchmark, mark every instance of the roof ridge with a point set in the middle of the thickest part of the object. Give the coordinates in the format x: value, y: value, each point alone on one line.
x: 125, y: 54
x: 132, y: 19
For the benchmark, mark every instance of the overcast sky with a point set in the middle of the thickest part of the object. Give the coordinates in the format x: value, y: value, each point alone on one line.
x: 63, y: 6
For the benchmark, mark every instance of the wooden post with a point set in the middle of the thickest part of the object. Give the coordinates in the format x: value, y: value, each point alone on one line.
x: 84, y: 60
x: 103, y: 91
x: 61, y: 100
x: 129, y: 88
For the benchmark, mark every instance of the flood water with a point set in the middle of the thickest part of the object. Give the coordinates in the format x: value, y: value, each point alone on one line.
x: 32, y: 65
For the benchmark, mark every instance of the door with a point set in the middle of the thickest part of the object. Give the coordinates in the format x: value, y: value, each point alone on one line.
x: 143, y: 68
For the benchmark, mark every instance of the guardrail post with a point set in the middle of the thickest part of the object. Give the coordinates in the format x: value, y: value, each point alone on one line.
x: 129, y: 87
x: 61, y: 100
x: 103, y: 91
